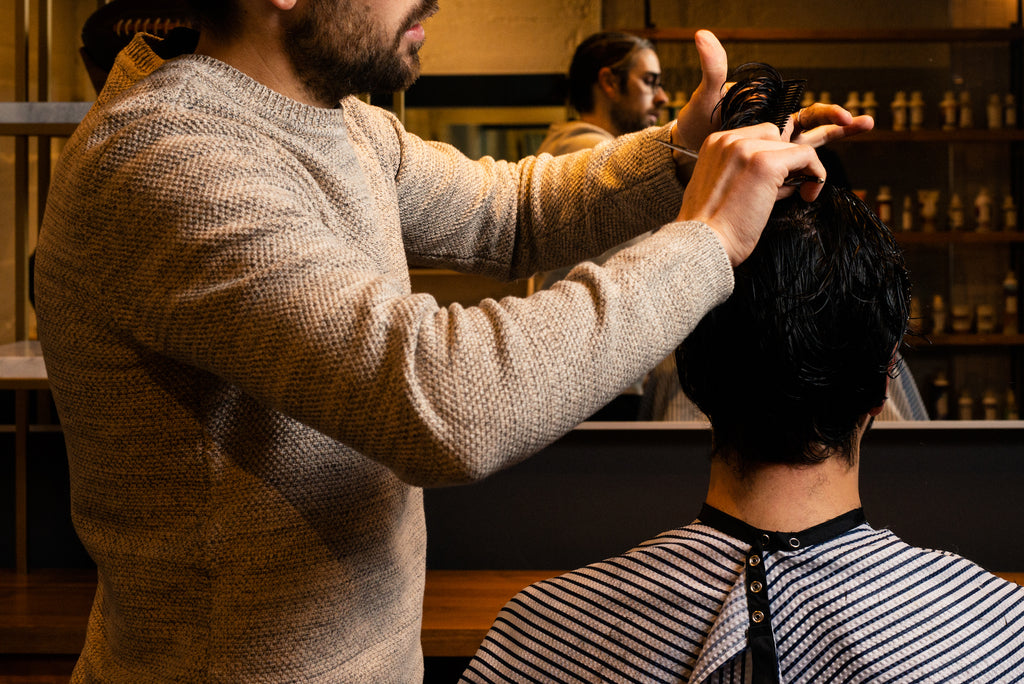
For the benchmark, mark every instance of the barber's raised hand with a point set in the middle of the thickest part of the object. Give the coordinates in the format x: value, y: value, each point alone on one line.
x: 820, y: 123
x: 737, y: 179
x: 814, y: 125
x: 698, y: 118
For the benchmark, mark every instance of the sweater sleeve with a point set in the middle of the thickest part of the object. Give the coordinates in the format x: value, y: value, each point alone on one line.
x: 212, y: 251
x: 509, y: 221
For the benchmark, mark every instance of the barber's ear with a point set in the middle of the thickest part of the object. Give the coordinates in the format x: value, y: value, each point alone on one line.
x: 608, y: 82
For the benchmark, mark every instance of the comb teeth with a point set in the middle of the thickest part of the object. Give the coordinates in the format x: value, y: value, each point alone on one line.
x: 789, y: 102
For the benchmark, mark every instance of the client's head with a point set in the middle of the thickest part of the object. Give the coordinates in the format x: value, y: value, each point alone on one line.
x: 789, y: 367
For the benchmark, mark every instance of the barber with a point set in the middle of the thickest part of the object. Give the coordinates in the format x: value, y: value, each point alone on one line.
x: 251, y: 395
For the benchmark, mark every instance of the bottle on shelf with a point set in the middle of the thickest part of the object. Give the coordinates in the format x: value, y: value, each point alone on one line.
x: 808, y: 98
x: 963, y: 318
x: 852, y: 103
x: 965, y: 406
x: 990, y: 405
x: 983, y: 210
x: 883, y: 204
x: 938, y: 315
x: 955, y: 212
x: 868, y: 104
x: 986, y: 319
x: 929, y: 201
x: 916, y: 107
x: 1010, y: 304
x: 1009, y: 213
x: 966, y: 115
x: 900, y: 111
x: 940, y: 391
x: 1012, y: 411
x: 907, y: 222
x: 1009, y: 111
x: 949, y: 111
x: 994, y: 112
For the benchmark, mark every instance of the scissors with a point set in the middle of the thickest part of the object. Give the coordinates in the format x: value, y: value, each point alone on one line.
x: 792, y: 180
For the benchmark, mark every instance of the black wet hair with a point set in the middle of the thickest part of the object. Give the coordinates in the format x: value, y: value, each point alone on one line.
x: 610, y: 49
x: 787, y: 368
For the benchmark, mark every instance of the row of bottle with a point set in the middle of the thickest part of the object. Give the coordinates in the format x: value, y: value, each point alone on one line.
x: 966, y: 407
x: 922, y: 212
x: 908, y: 113
x: 960, y: 318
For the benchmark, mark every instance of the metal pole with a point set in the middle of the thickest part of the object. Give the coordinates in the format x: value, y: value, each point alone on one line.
x: 43, y: 162
x: 21, y: 94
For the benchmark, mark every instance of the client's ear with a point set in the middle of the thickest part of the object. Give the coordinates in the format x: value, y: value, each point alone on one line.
x: 878, y: 409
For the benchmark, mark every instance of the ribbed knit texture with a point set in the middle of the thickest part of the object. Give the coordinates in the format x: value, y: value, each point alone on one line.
x: 251, y: 396
x: 861, y: 607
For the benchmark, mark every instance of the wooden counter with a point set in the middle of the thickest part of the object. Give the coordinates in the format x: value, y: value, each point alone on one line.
x: 45, y: 612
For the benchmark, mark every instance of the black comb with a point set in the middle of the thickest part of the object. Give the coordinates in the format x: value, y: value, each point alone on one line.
x: 789, y: 101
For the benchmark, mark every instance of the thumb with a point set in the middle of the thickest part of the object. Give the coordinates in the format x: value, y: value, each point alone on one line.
x: 714, y: 64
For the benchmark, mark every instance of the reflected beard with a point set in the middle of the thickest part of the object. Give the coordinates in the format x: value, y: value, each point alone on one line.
x: 334, y: 62
x: 628, y: 121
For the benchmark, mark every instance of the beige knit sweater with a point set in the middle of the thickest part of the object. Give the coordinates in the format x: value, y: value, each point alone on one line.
x: 250, y: 394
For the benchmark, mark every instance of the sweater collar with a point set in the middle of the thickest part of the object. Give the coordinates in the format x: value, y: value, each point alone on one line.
x: 146, y: 53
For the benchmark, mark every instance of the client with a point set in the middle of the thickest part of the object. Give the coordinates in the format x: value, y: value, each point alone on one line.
x: 790, y: 370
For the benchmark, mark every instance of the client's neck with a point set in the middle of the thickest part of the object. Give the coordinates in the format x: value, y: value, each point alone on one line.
x: 784, y: 498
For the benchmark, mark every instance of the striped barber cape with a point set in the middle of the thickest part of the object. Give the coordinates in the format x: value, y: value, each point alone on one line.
x: 720, y: 601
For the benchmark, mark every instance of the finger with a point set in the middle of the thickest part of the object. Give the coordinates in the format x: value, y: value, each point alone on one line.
x: 810, y: 191
x: 797, y: 161
x: 761, y: 131
x: 821, y: 135
x: 819, y: 114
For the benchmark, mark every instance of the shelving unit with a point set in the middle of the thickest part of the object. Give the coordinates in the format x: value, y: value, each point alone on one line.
x: 952, y: 161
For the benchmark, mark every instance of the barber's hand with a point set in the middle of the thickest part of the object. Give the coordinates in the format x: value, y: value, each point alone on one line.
x: 695, y: 120
x: 820, y: 123
x: 737, y: 179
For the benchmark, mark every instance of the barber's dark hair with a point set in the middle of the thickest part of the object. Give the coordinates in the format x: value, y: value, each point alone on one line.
x: 606, y: 49
x: 789, y: 365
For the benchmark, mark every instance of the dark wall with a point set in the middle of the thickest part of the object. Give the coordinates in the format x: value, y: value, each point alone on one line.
x: 596, y: 493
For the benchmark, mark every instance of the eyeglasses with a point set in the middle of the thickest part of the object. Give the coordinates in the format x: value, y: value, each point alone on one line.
x: 653, y: 81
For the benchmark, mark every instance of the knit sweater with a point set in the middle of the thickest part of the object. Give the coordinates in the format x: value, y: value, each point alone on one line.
x: 251, y: 395
x: 564, y: 137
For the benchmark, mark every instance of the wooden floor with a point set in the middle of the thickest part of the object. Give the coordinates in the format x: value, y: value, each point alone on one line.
x: 43, y: 616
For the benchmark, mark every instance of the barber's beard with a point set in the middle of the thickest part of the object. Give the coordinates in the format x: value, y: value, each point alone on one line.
x: 337, y: 50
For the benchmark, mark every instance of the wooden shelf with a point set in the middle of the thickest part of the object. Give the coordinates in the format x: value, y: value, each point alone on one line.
x: 960, y: 135
x: 946, y: 340
x: 784, y: 35
x: 943, y: 238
